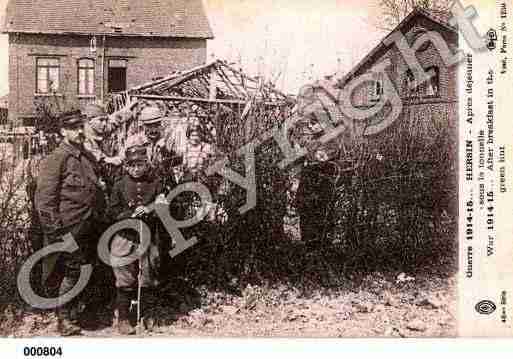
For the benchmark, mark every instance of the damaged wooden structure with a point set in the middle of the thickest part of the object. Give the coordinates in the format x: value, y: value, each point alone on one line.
x: 215, y: 82
x: 237, y: 105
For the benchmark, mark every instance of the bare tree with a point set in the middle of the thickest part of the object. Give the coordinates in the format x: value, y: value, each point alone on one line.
x: 394, y: 11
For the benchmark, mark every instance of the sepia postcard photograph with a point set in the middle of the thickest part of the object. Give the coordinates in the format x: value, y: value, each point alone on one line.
x: 255, y: 169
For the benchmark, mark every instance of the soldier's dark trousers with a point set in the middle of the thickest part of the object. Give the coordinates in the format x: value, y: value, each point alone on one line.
x: 314, y: 201
x: 69, y: 264
x: 124, y: 297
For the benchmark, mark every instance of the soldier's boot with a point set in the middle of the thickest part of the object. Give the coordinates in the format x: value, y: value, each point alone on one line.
x: 66, y: 324
x: 123, y: 305
x: 67, y: 328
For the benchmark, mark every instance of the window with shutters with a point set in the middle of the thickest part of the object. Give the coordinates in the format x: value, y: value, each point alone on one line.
x: 86, y: 74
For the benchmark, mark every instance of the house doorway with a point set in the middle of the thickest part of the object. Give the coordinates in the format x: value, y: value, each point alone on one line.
x: 117, y: 75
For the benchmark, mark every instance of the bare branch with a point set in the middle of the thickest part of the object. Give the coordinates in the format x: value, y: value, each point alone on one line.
x: 394, y: 11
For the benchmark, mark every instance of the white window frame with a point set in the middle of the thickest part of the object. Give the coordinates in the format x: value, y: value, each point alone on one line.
x: 48, y: 73
x: 86, y: 77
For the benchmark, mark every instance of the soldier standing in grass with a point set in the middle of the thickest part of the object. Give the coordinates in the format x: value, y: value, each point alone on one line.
x: 130, y: 198
x: 69, y: 199
x: 320, y: 169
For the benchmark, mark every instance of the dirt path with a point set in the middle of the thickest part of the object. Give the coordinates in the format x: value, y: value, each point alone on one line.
x: 375, y: 307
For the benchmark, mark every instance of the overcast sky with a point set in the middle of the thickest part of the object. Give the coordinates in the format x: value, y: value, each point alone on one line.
x: 289, y: 41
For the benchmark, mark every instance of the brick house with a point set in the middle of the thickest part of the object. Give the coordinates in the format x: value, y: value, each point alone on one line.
x: 82, y: 50
x: 435, y: 100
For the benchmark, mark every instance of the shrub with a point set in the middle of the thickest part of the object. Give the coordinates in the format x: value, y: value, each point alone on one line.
x: 400, y: 210
x: 14, y: 220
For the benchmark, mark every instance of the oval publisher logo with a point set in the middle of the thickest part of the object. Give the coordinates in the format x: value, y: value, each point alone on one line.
x: 485, y: 307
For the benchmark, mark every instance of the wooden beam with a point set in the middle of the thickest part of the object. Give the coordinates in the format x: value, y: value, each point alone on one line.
x: 206, y: 100
x: 212, y: 86
x: 229, y: 81
x: 227, y: 84
x: 205, y: 83
x: 181, y: 75
x: 277, y: 92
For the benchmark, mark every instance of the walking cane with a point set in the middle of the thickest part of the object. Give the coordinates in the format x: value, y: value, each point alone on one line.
x: 139, y: 293
x: 139, y: 296
x: 139, y: 289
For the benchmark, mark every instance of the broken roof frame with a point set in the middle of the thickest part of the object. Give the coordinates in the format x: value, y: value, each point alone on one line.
x: 216, y: 82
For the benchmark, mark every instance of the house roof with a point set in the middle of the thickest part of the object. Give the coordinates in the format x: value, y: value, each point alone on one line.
x: 169, y: 18
x: 438, y: 17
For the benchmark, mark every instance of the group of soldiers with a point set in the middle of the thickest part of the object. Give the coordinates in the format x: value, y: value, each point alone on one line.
x: 73, y: 197
x: 76, y: 195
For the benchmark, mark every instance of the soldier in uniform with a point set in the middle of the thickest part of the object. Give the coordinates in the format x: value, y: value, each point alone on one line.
x: 69, y: 199
x: 319, y: 172
x: 160, y: 145
x: 98, y: 126
x: 97, y: 129
x: 130, y: 198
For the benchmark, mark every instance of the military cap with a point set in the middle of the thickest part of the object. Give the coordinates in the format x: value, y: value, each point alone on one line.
x: 150, y: 115
x: 94, y: 110
x: 137, y: 140
x: 71, y: 118
x: 136, y: 154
